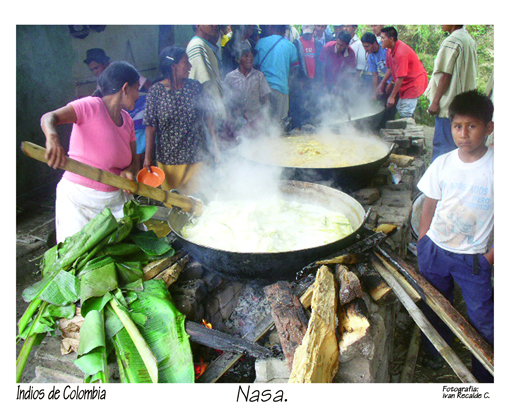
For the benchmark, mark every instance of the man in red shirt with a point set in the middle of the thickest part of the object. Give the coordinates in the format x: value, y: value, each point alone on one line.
x: 339, y: 63
x: 410, y: 77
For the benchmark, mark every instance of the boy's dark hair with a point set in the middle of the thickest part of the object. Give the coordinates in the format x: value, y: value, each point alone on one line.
x: 369, y: 38
x: 390, y: 32
x: 344, y: 36
x: 472, y: 103
x: 114, y: 77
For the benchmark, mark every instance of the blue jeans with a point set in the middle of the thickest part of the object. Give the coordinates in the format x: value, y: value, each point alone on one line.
x: 406, y: 107
x: 441, y: 268
x: 443, y: 139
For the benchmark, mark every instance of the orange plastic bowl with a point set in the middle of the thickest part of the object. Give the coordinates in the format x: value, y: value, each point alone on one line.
x: 153, y: 179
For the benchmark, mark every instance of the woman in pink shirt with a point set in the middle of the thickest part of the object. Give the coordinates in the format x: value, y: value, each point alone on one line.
x: 103, y: 136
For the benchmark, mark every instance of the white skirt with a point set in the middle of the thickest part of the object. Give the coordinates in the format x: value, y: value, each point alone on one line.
x: 76, y: 205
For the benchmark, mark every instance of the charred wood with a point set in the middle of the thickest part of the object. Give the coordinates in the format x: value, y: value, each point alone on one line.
x: 288, y: 316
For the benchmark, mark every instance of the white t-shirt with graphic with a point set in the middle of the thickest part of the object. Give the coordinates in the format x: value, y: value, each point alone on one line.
x: 464, y: 216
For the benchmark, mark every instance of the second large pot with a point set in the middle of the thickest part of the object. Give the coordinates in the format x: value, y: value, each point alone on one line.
x: 265, y: 268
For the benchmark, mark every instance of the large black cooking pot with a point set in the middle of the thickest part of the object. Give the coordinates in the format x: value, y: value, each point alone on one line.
x: 265, y: 268
x: 349, y: 179
x: 364, y: 116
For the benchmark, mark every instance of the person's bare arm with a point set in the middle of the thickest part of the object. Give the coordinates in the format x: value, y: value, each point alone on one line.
x: 55, y: 153
x: 380, y: 88
x: 490, y: 256
x: 442, y: 86
x: 394, y: 92
x: 427, y: 213
x: 149, y: 146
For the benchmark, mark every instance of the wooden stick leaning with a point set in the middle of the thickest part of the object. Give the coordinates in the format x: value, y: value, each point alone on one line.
x: 187, y: 204
x: 426, y: 327
x: 446, y: 312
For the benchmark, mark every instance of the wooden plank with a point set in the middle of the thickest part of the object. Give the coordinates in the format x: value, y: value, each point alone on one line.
x: 221, y: 341
x: 316, y: 359
x: 426, y: 327
x: 443, y: 308
x: 406, y: 376
x: 288, y: 316
x: 403, y: 282
x: 223, y: 363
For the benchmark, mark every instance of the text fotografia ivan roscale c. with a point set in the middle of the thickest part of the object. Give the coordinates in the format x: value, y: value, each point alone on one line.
x: 68, y: 393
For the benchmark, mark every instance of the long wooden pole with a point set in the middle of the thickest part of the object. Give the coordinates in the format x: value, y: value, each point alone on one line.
x: 437, y: 302
x: 187, y: 204
x: 426, y: 327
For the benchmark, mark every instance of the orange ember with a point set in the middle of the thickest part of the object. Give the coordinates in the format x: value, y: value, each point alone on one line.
x: 200, y: 368
x: 208, y: 325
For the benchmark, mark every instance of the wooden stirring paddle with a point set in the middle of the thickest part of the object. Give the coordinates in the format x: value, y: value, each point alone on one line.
x: 187, y: 204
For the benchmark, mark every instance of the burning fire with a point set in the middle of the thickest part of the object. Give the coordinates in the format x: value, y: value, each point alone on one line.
x: 208, y: 325
x: 200, y: 368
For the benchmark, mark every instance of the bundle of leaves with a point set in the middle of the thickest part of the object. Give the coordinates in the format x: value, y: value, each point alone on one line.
x: 101, y: 267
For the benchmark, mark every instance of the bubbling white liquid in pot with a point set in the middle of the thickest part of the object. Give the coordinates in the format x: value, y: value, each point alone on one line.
x: 271, y: 225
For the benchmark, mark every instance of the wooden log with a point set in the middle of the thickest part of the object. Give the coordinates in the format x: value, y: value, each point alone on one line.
x: 355, y: 338
x: 224, y: 362
x: 288, y: 316
x: 306, y: 298
x: 403, y: 282
x: 443, y: 308
x: 316, y: 359
x: 156, y: 267
x: 401, y: 160
x: 348, y: 259
x: 386, y: 228
x: 349, y: 285
x: 171, y: 274
x: 426, y: 327
x: 221, y: 341
x: 406, y: 376
x: 374, y: 285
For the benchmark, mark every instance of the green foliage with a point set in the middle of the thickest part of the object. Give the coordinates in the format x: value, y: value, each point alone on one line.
x: 426, y: 41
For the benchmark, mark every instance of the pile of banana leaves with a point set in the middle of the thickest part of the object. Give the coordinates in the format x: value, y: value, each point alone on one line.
x: 101, y: 269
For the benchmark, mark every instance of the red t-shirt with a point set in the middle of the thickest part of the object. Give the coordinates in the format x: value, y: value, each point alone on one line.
x: 309, y: 56
x: 336, y: 64
x: 404, y: 63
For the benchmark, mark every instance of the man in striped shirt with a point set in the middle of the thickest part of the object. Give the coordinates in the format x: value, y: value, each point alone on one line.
x: 455, y: 72
x: 204, y: 57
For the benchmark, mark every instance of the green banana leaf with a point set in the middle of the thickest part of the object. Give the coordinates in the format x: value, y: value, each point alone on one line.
x: 61, y: 288
x: 92, y: 354
x: 97, y: 279
x: 149, y: 242
x: 165, y: 333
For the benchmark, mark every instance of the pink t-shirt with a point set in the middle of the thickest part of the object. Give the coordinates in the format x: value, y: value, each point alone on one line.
x: 97, y: 141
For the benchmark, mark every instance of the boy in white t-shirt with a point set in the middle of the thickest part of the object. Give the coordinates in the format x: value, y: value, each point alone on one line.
x: 457, y: 221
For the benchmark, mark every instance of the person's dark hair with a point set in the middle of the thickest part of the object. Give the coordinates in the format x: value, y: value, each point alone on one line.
x: 114, y: 77
x: 168, y: 57
x: 280, y: 29
x: 98, y: 55
x: 369, y: 38
x: 344, y: 36
x: 390, y: 32
x: 472, y: 103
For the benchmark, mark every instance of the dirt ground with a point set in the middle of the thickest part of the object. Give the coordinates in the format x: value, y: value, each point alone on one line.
x: 34, y: 227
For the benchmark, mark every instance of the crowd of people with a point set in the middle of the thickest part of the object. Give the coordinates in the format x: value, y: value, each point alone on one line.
x: 230, y: 80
